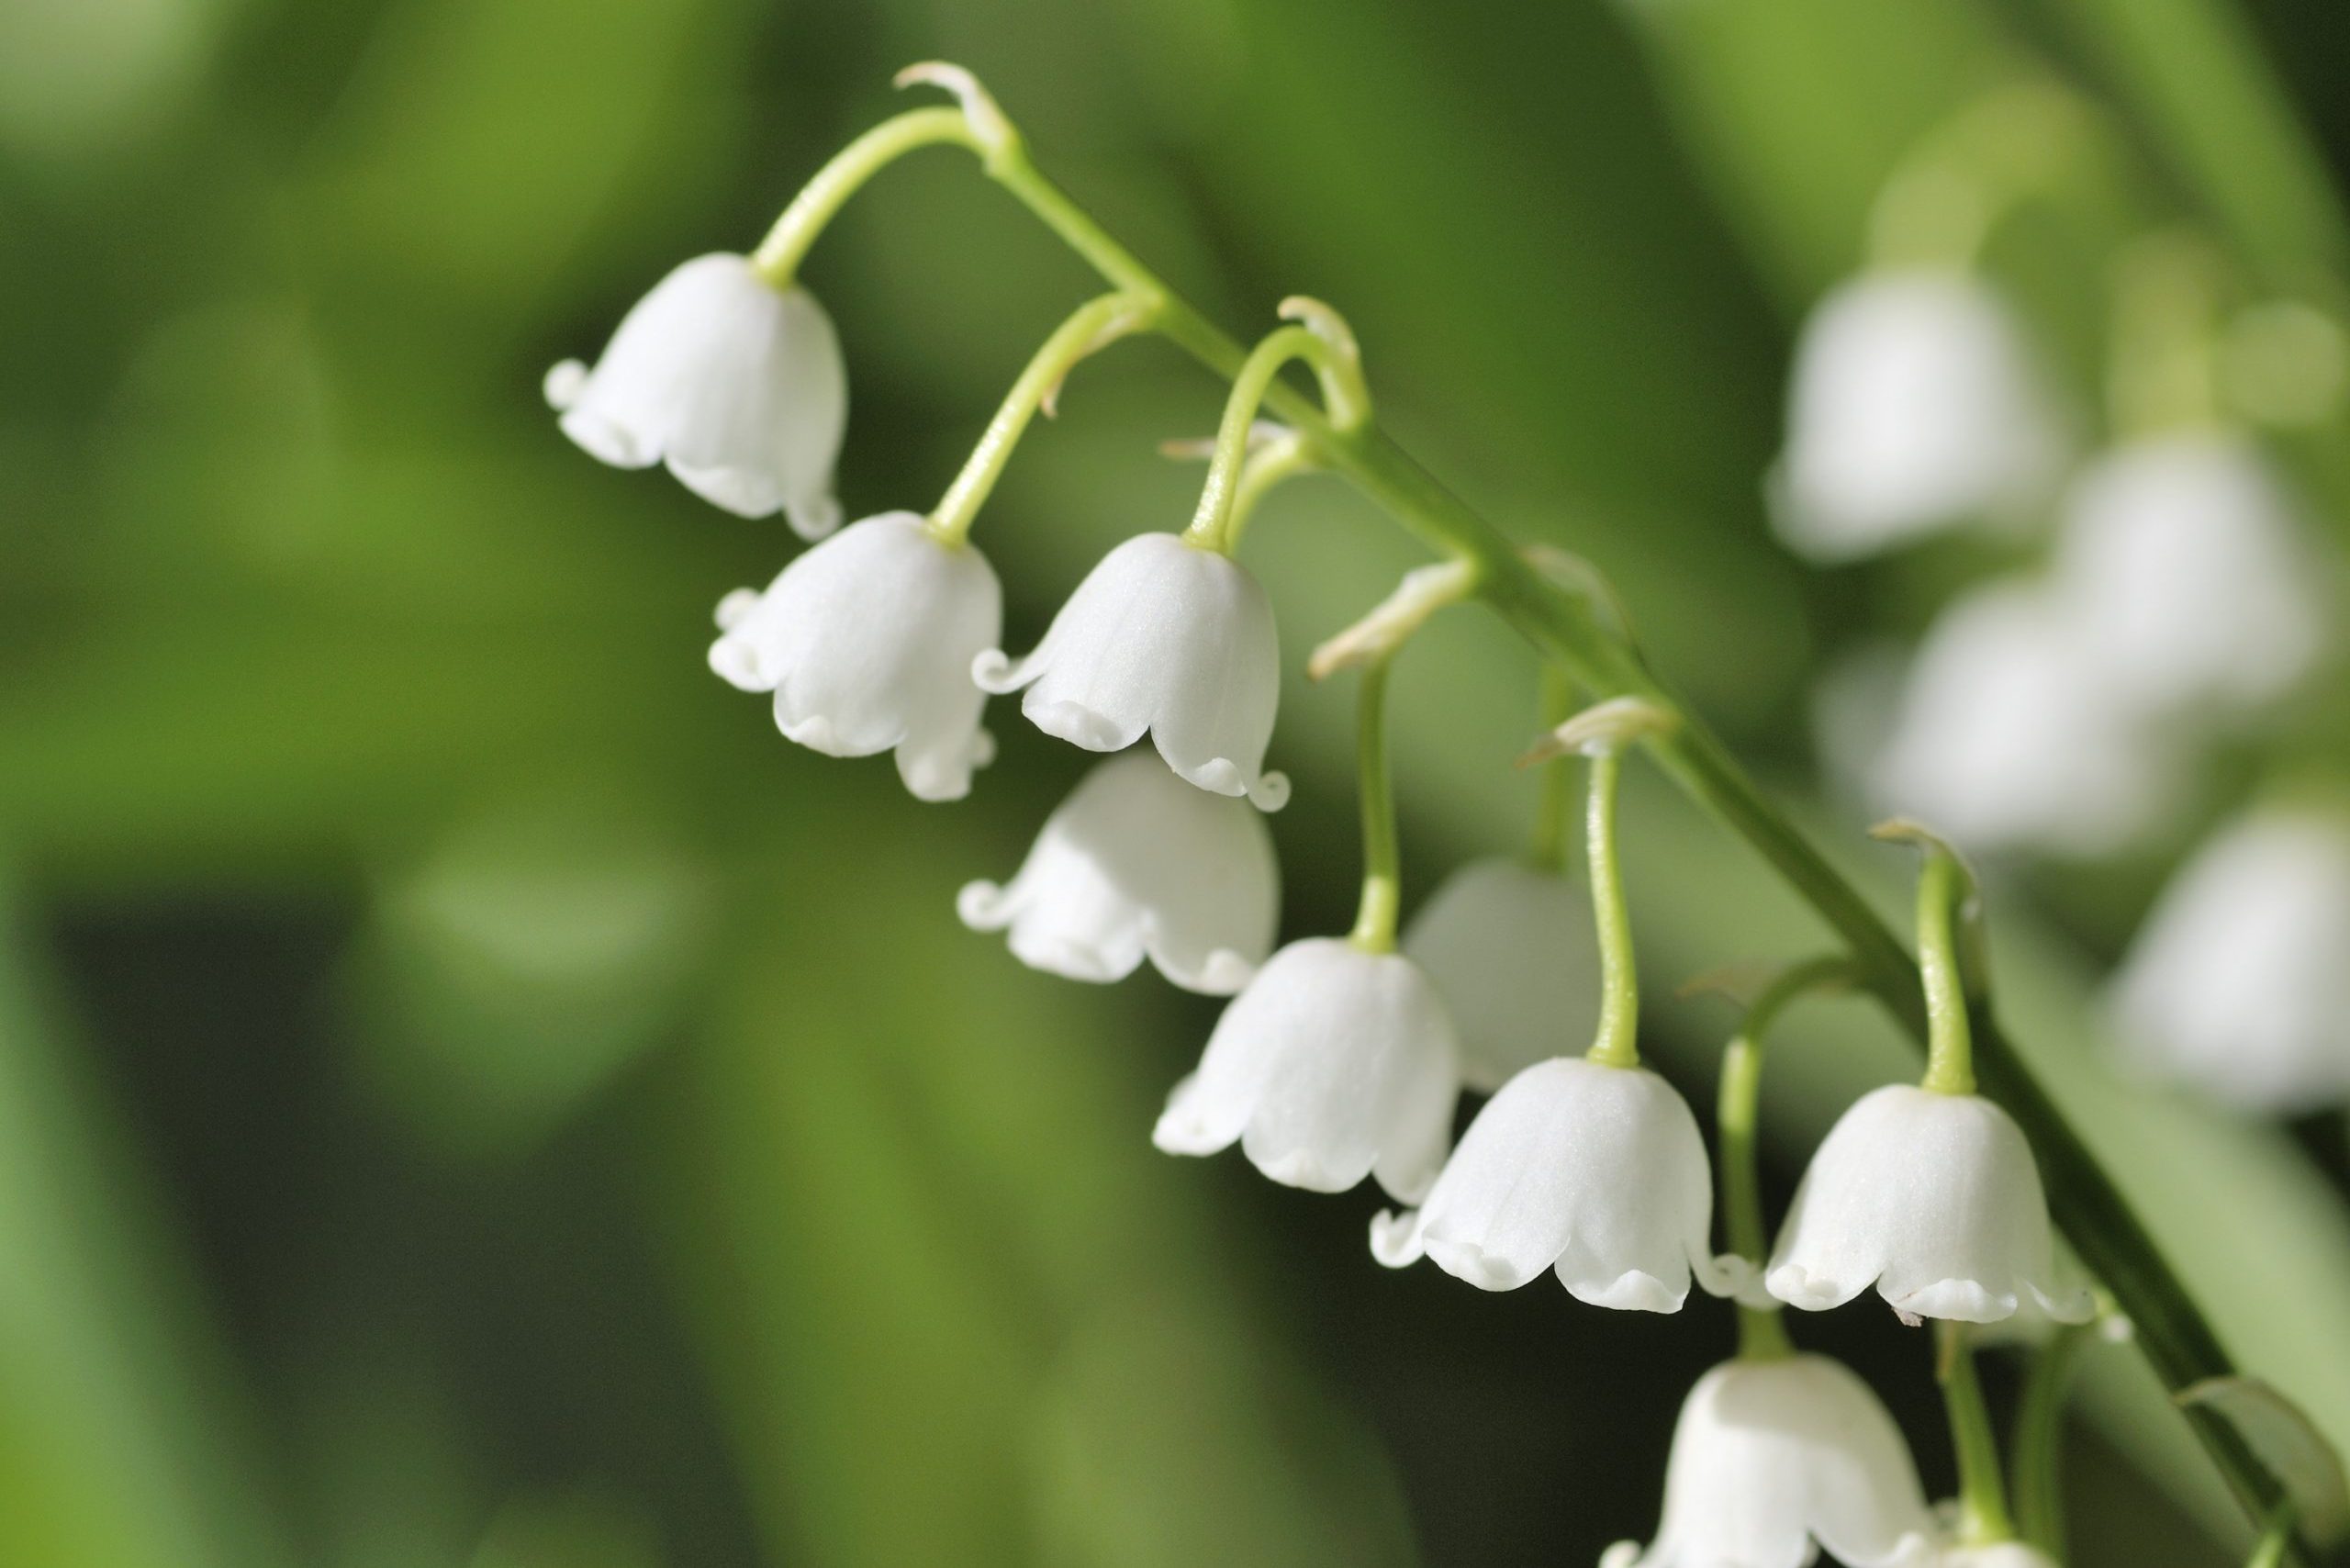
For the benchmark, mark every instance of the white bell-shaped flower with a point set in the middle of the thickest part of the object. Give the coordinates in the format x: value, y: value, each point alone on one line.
x: 1137, y: 863
x: 737, y: 384
x: 1596, y: 1172
x: 866, y: 642
x: 1164, y: 637
x: 2183, y: 563
x: 2239, y: 983
x: 1915, y: 404
x: 2005, y: 736
x: 1934, y: 1200
x: 1512, y: 952
x: 1333, y: 1064
x: 1775, y: 1459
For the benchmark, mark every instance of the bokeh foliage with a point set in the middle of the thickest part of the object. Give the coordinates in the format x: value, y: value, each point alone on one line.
x: 470, y: 1093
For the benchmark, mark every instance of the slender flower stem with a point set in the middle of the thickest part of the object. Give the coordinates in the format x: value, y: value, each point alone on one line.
x: 2275, y: 1539
x: 1548, y: 846
x: 2035, y: 1475
x: 1383, y: 884
x: 1761, y: 1334
x: 2170, y: 1328
x: 1282, y: 458
x: 1982, y: 1497
x: 1090, y: 327
x: 1950, y: 1046
x: 1342, y: 394
x: 780, y: 254
x: 1617, y: 1041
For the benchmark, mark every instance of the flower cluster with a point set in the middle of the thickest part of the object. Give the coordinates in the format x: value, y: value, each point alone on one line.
x: 1341, y: 1058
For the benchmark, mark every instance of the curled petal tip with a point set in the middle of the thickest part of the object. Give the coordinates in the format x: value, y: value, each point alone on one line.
x: 1270, y: 792
x: 1225, y: 973
x: 1395, y: 1238
x: 733, y: 608
x: 814, y: 518
x: 983, y: 906
x: 735, y: 661
x: 995, y: 673
x: 564, y: 383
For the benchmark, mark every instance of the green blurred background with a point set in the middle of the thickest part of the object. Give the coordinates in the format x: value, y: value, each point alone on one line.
x: 471, y: 1094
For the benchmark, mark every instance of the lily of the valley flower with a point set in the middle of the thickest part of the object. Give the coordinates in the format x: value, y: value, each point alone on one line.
x: 2007, y: 737
x: 1137, y: 862
x: 1915, y: 406
x: 1334, y: 1063
x: 2182, y: 564
x: 866, y: 642
x: 1596, y: 1172
x: 1164, y: 637
x: 2237, y: 984
x: 736, y: 384
x: 1773, y: 1460
x: 1512, y: 949
x: 1933, y: 1199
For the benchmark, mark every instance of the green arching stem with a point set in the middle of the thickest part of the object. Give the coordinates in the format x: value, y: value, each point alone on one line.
x: 2035, y: 1477
x: 1342, y: 394
x: 1615, y: 1043
x: 2170, y: 1328
x: 1284, y: 457
x: 780, y: 254
x: 1382, y: 883
x: 1089, y: 326
x: 1549, y: 845
x: 1949, y: 1047
x: 1982, y: 1497
x: 1761, y: 1333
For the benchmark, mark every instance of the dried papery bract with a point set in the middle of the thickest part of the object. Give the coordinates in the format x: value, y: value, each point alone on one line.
x: 867, y: 642
x: 1166, y: 639
x: 736, y: 383
x: 1136, y: 862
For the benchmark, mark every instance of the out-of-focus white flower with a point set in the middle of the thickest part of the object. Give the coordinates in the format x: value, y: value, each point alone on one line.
x: 1164, y: 637
x: 738, y: 386
x: 2239, y: 984
x: 1596, y: 1172
x: 1135, y: 862
x: 1773, y: 1460
x: 2182, y: 564
x: 2007, y: 738
x: 2001, y: 1554
x: 1915, y: 404
x: 1935, y: 1201
x: 1512, y: 952
x: 1333, y: 1064
x: 866, y: 642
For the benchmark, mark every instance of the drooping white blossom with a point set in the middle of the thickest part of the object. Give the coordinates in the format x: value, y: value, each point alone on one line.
x: 1137, y: 862
x: 866, y: 641
x: 1598, y: 1173
x: 1773, y: 1460
x: 1935, y: 1201
x: 2006, y: 737
x: 2183, y: 565
x: 1511, y: 950
x: 1915, y: 404
x: 1333, y: 1064
x: 736, y: 384
x: 2239, y: 982
x: 1164, y: 637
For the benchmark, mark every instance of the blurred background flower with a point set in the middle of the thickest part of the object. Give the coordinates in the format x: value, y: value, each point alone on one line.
x: 471, y: 1094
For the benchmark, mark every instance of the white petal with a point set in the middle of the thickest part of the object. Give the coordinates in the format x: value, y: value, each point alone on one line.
x: 1164, y: 638
x: 1598, y: 1172
x: 866, y: 642
x: 1138, y: 861
x: 1331, y: 1062
x: 1513, y: 951
x: 2237, y: 984
x: 738, y: 386
x: 1772, y: 1460
x: 2184, y: 565
x: 1916, y: 404
x: 1935, y: 1201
